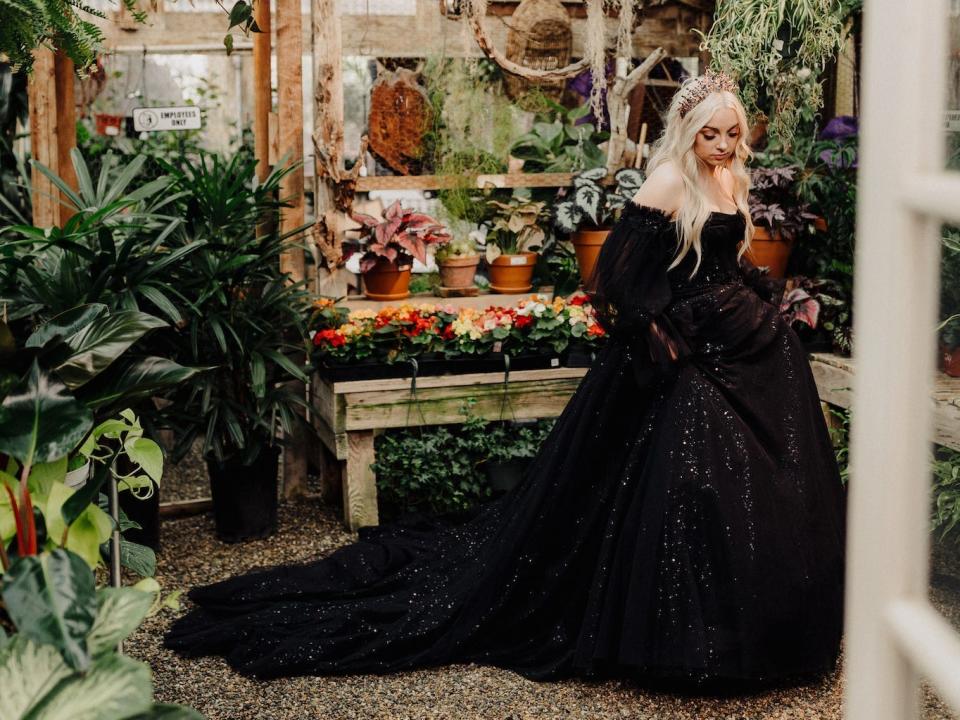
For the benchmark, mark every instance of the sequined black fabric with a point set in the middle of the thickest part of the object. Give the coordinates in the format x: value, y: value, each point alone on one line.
x: 682, y: 523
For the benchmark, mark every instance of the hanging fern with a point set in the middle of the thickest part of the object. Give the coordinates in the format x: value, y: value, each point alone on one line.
x: 56, y: 24
x: 777, y: 50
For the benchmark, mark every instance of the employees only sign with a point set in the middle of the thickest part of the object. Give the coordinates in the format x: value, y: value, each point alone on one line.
x: 166, y: 118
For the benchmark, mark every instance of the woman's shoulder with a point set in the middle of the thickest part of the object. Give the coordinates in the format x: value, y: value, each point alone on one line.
x: 662, y: 190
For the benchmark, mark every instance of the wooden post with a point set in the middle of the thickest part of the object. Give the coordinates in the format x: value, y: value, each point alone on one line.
x: 66, y: 126
x: 262, y: 91
x: 328, y: 137
x: 42, y: 98
x: 53, y: 133
x: 290, y: 132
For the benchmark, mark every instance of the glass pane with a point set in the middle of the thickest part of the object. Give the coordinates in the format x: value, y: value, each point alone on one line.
x: 952, y: 120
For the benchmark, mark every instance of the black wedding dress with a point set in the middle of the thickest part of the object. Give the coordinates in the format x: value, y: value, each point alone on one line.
x: 682, y: 525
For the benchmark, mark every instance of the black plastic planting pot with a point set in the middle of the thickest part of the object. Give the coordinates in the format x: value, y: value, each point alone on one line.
x: 245, y: 496
x: 433, y: 364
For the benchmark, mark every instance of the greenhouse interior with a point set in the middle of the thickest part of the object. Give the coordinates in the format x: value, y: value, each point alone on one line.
x: 500, y: 359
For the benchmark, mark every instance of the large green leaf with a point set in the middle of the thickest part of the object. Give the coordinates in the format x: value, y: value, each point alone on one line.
x: 51, y: 599
x: 40, y: 420
x: 134, y: 378
x: 44, y: 475
x: 66, y: 324
x: 139, y: 558
x: 101, y: 342
x: 28, y: 672
x: 88, y: 529
x: 147, y: 454
x: 119, y: 613
x: 114, y: 688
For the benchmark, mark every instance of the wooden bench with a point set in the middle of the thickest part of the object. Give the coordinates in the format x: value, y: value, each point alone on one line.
x: 351, y: 413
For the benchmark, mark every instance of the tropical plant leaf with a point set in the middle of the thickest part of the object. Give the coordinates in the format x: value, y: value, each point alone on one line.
x: 28, y: 672
x: 51, y: 600
x: 40, y: 421
x: 119, y: 612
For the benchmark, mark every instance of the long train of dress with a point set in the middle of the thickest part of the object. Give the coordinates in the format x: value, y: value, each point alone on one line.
x: 683, y: 522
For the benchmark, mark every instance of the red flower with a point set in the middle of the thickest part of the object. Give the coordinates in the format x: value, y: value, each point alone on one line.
x: 330, y: 336
x: 522, y: 321
x: 595, y: 330
x: 578, y: 300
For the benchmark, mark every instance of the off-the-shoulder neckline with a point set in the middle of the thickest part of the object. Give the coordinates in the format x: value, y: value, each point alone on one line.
x: 665, y: 214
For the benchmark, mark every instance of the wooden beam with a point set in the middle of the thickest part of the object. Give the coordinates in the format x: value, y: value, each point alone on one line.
x: 262, y: 90
x: 290, y: 138
x: 327, y: 143
x: 66, y: 126
x: 44, y: 149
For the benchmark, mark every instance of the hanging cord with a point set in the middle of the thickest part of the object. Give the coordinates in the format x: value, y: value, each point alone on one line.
x: 415, y: 398
x: 505, y: 398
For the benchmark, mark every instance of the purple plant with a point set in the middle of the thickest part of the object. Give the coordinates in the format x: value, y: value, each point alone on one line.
x: 774, y: 203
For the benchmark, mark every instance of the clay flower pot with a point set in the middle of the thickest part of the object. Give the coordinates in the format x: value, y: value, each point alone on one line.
x: 512, y: 273
x: 108, y: 124
x: 458, y: 272
x: 387, y: 281
x: 770, y: 249
x: 587, y: 244
x: 950, y: 360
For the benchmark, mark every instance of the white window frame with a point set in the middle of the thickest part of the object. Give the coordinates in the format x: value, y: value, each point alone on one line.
x: 893, y: 634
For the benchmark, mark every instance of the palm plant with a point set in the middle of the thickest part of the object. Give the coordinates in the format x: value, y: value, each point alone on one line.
x: 246, y: 318
x: 117, y: 249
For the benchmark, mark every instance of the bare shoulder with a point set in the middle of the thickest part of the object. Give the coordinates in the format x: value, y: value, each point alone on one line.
x: 662, y: 189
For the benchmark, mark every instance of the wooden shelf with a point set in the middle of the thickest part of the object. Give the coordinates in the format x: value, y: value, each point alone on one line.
x: 448, y: 182
x: 835, y: 373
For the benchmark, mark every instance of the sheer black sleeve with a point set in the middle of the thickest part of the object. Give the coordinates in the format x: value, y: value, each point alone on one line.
x: 630, y: 289
x: 768, y: 288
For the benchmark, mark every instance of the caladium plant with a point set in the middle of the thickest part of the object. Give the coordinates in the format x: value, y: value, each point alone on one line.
x: 589, y: 202
x: 401, y: 233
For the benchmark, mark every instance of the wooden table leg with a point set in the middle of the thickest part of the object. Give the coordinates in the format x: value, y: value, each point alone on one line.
x: 360, y: 483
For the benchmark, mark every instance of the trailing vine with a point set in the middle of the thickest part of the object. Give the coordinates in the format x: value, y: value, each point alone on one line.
x: 777, y: 50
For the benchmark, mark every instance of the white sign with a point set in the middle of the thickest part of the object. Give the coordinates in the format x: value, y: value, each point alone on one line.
x: 953, y: 120
x: 166, y: 118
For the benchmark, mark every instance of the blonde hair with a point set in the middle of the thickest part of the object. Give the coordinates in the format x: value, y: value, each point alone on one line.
x: 676, y: 145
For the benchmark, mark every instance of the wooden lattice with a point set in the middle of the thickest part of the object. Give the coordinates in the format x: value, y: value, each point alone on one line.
x: 399, y: 116
x: 540, y: 37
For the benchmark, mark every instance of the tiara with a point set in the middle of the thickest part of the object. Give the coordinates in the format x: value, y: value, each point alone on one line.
x: 696, y: 91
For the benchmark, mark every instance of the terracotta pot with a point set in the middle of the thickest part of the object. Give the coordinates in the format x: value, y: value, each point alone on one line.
x: 587, y: 244
x: 108, y: 124
x: 950, y: 360
x: 458, y: 272
x: 770, y: 250
x: 512, y: 273
x: 387, y: 281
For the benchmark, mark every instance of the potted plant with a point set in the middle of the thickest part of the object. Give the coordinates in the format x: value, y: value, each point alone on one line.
x: 247, y: 323
x: 515, y: 234
x: 590, y: 209
x: 392, y: 242
x: 458, y: 260
x: 949, y: 328
x: 778, y: 215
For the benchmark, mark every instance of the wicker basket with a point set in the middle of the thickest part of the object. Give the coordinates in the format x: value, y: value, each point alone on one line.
x: 540, y: 37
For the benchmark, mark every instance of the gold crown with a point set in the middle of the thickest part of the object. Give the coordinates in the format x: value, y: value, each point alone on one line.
x: 696, y: 91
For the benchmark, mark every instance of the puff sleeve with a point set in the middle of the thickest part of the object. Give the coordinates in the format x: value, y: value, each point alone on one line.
x: 630, y: 290
x: 768, y: 288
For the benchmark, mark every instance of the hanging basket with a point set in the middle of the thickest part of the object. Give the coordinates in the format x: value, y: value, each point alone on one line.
x: 540, y: 37
x: 399, y: 116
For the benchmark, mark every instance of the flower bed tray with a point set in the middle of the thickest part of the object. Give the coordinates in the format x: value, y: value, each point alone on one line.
x: 493, y: 362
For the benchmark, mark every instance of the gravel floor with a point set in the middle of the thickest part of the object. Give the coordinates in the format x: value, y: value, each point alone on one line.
x: 191, y: 555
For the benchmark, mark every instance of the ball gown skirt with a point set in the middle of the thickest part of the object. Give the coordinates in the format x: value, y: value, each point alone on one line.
x: 682, y: 524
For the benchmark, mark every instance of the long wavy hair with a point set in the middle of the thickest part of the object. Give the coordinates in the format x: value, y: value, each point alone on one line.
x: 676, y: 144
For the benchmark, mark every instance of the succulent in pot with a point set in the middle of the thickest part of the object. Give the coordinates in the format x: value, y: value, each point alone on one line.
x: 392, y: 241
x: 591, y: 208
x: 458, y: 260
x: 515, y: 235
x: 779, y: 217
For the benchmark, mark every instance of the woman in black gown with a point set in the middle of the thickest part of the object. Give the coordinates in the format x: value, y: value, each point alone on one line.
x: 682, y: 525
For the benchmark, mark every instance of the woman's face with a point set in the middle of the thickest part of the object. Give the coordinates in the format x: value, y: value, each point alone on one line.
x: 717, y: 140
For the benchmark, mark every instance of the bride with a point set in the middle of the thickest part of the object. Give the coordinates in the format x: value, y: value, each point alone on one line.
x: 683, y: 523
